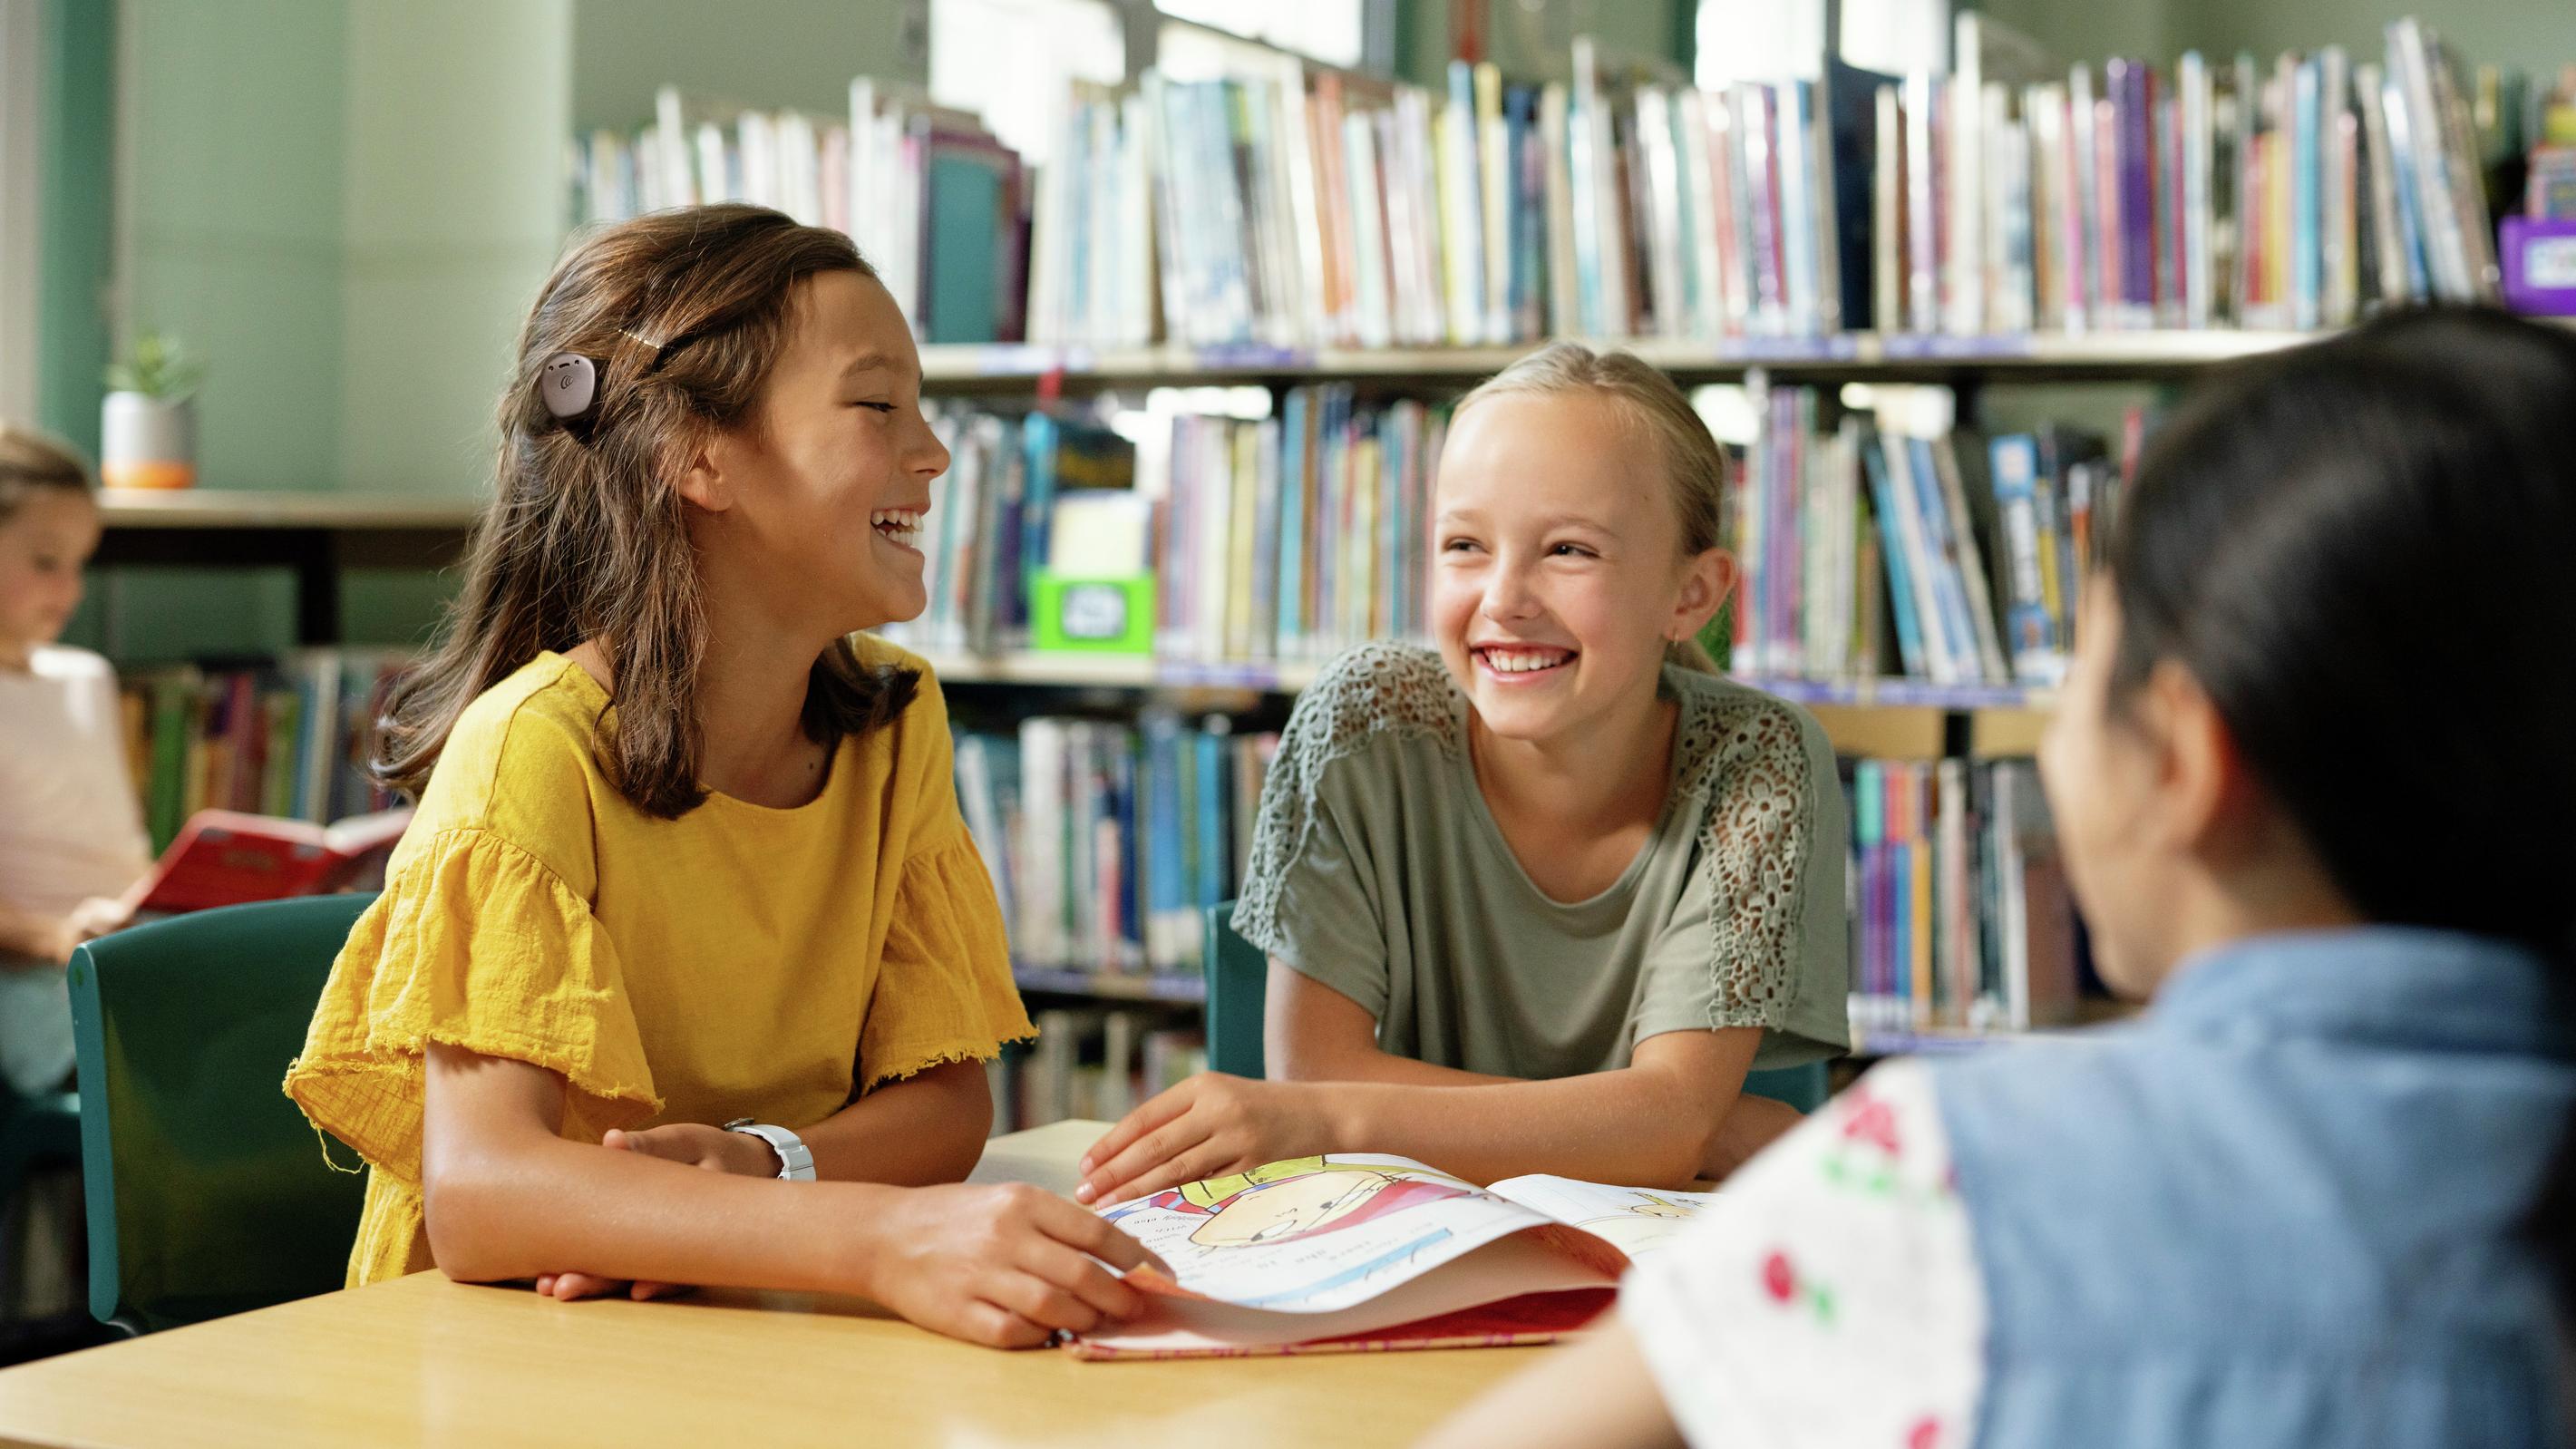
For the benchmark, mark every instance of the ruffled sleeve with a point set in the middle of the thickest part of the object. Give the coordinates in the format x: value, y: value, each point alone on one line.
x: 943, y: 990
x: 476, y: 944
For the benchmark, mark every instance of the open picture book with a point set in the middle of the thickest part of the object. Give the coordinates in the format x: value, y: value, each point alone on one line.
x: 1355, y: 1252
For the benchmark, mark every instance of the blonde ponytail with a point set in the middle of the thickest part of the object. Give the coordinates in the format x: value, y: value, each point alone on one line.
x: 1649, y: 402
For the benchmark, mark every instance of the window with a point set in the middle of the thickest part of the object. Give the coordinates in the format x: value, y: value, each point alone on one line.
x: 1785, y: 39
x: 1009, y: 61
x: 1332, y: 31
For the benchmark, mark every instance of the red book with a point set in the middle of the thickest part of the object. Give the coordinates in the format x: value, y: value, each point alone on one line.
x: 226, y: 858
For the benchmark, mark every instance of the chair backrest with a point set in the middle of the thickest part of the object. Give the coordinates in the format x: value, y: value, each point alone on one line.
x: 1238, y: 976
x: 207, y: 1191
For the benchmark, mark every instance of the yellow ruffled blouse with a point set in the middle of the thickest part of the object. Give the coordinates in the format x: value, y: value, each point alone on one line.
x: 740, y: 961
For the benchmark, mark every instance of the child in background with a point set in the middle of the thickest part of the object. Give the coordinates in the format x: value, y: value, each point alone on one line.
x: 71, y: 830
x: 688, y: 907
x: 2309, y: 771
x: 1536, y: 900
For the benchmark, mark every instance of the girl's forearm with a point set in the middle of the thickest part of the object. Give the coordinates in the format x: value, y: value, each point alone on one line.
x: 545, y: 1205
x: 1750, y: 1123
x: 1632, y: 1126
x: 928, y: 1128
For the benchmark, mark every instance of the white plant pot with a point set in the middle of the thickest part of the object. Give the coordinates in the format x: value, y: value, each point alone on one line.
x: 145, y: 442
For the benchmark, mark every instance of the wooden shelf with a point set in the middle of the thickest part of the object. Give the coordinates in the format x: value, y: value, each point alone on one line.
x: 1129, y: 671
x: 219, y: 508
x: 317, y: 535
x: 1858, y: 356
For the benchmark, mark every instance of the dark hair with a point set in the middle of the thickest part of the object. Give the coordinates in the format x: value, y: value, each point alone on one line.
x: 31, y: 461
x: 2323, y: 538
x: 685, y: 312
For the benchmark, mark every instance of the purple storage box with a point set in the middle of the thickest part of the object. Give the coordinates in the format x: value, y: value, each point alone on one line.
x: 2539, y: 259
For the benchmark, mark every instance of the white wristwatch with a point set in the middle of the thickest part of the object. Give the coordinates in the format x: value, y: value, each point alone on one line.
x: 795, y: 1164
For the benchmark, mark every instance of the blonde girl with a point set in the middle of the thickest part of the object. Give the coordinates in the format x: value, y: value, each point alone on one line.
x: 1538, y: 899
x: 688, y: 858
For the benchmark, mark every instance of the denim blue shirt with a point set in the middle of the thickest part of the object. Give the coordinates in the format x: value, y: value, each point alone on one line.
x: 2283, y: 1207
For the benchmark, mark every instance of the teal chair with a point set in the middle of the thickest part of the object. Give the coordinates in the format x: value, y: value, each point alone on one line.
x: 207, y: 1192
x: 1238, y: 975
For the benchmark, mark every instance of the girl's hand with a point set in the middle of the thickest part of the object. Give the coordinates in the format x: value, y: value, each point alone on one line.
x: 692, y: 1144
x: 1005, y: 1266
x: 1208, y: 1126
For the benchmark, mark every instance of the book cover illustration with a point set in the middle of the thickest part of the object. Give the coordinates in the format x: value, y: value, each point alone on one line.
x: 1364, y: 1252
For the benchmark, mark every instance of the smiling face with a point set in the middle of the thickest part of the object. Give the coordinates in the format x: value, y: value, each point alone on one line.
x: 43, y: 545
x: 821, y: 500
x: 1558, y: 576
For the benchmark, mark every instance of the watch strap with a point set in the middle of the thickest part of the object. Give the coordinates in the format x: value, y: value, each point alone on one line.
x: 795, y: 1160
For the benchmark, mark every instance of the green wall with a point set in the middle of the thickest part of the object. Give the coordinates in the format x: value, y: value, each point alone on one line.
x: 789, y: 53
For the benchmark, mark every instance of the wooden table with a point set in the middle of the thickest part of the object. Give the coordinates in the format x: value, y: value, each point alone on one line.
x: 426, y: 1361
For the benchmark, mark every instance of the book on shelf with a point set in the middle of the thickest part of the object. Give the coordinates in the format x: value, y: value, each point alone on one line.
x: 1890, y: 542
x: 285, y: 738
x: 1107, y: 842
x: 1367, y: 1253
x: 1274, y: 539
x: 938, y: 205
x: 1280, y: 206
x: 225, y: 858
x: 2127, y: 197
x: 1960, y: 913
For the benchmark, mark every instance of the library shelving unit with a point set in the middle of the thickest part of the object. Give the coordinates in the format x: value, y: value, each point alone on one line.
x: 317, y: 535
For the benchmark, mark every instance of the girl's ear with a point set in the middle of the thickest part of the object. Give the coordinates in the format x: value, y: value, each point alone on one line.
x: 706, y: 482
x: 2205, y: 789
x: 1707, y: 579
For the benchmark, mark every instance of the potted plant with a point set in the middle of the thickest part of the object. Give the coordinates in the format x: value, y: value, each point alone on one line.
x: 147, y: 428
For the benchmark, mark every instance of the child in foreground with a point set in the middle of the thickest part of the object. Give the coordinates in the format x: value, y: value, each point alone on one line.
x: 1539, y: 899
x: 688, y: 906
x: 71, y: 830
x: 2307, y: 770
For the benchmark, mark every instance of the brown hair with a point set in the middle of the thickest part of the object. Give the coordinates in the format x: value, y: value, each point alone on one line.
x: 684, y: 313
x: 31, y: 460
x: 1663, y: 418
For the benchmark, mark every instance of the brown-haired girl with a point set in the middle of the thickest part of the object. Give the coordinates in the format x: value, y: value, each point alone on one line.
x: 688, y: 906
x: 1536, y: 900
x: 71, y: 835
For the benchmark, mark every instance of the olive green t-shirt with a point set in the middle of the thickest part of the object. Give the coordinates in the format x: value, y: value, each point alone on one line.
x: 1378, y: 870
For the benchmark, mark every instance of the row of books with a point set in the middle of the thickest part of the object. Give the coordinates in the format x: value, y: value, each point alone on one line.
x: 288, y: 737
x: 1960, y: 913
x: 1890, y: 542
x: 1092, y: 1063
x: 1289, y: 206
x: 2217, y: 194
x: 1108, y: 842
x: 937, y: 204
x: 1282, y: 538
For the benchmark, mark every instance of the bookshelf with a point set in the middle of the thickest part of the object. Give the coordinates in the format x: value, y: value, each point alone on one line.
x: 316, y: 535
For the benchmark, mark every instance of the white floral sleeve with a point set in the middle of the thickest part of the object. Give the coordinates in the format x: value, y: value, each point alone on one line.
x: 1830, y: 1295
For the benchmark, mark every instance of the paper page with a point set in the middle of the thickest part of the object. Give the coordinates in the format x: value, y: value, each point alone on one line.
x: 1515, y: 1266
x: 1316, y: 1234
x: 1635, y: 1220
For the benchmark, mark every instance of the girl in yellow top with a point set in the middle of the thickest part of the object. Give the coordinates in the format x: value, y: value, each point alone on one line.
x: 688, y: 855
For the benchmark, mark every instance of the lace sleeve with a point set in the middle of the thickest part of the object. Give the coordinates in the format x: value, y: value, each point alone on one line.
x: 1307, y: 893
x: 1734, y: 953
